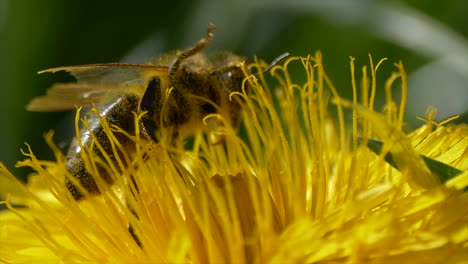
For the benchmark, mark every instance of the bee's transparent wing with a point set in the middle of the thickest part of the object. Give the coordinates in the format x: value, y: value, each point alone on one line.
x: 93, y: 82
x: 107, y: 72
x: 66, y: 96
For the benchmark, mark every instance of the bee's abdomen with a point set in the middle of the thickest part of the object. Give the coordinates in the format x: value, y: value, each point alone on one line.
x: 119, y: 112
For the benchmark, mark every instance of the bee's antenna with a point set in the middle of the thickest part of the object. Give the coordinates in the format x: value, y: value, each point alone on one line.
x: 276, y: 61
x: 201, y: 45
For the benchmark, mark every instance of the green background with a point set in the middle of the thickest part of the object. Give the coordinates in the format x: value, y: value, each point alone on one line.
x: 428, y: 36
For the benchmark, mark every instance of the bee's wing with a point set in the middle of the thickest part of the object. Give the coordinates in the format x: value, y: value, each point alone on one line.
x: 93, y: 82
x: 66, y: 96
x: 108, y: 72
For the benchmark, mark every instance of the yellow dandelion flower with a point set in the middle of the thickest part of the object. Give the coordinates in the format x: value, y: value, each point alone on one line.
x: 296, y: 185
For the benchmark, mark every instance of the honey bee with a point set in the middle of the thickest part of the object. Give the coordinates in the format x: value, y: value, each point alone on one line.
x: 176, y: 92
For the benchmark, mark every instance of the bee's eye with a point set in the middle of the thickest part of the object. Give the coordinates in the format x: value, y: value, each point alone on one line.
x: 231, y: 81
x: 225, y: 76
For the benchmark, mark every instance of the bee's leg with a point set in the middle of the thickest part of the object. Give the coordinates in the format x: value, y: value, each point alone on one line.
x: 131, y: 230
x: 151, y: 102
x: 129, y: 203
x: 129, y: 206
x: 201, y: 45
x: 135, y: 237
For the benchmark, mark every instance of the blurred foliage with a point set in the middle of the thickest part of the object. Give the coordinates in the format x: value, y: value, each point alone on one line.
x: 428, y: 36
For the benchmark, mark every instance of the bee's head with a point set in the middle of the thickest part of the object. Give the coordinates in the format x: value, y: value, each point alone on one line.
x: 227, y: 77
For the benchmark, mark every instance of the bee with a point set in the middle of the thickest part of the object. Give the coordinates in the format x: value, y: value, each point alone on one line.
x: 176, y: 92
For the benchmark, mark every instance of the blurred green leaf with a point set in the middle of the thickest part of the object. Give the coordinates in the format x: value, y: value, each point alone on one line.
x: 442, y: 170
